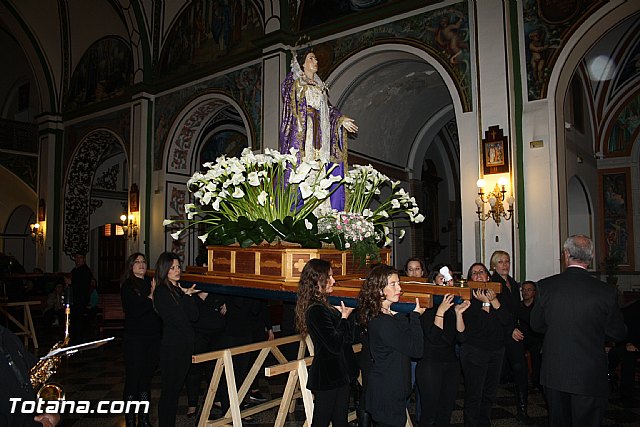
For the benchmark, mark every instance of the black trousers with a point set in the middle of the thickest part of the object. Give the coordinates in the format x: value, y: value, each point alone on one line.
x: 567, y: 409
x: 627, y: 360
x: 331, y: 406
x: 481, y: 369
x: 534, y: 349
x: 438, y: 383
x: 515, y: 362
x: 141, y: 356
x: 174, y: 365
x: 204, y: 343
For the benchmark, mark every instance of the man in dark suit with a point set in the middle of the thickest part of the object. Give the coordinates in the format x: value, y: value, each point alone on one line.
x: 15, y: 364
x: 577, y: 313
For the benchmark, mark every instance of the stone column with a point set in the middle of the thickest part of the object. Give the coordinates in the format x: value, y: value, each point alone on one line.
x: 50, y: 189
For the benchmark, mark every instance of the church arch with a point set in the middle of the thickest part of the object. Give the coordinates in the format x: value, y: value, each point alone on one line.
x: 568, y: 61
x: 198, y: 121
x: 77, y: 192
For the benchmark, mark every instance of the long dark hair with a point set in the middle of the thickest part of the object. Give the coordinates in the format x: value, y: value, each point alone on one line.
x: 474, y: 265
x: 165, y: 260
x: 128, y: 271
x: 301, y: 56
x: 311, y: 288
x: 371, y: 293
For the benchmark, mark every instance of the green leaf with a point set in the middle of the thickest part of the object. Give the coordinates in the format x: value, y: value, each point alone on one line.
x: 268, y: 233
x: 280, y: 228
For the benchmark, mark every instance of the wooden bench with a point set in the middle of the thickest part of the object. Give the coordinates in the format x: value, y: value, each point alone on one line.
x: 112, y: 316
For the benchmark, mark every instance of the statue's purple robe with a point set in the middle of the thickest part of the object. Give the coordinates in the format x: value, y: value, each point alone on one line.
x: 296, y: 116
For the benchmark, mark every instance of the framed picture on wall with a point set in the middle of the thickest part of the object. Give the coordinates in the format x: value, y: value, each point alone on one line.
x: 617, y: 220
x: 495, y: 151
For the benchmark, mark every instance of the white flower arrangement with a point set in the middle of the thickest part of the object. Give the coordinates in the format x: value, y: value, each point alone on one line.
x: 364, y: 185
x: 361, y: 227
x: 267, y: 197
x: 253, y: 187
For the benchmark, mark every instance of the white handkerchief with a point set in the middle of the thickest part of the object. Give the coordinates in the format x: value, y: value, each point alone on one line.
x: 446, y: 273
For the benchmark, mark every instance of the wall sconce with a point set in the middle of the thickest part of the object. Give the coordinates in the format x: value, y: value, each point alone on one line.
x: 496, y: 200
x: 129, y: 226
x: 42, y: 211
x: 37, y: 233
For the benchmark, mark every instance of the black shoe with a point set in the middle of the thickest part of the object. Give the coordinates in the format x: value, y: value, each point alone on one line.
x: 256, y: 397
x: 523, y: 418
x: 143, y: 419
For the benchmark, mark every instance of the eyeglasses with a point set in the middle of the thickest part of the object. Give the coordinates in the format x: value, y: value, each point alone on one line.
x: 175, y: 267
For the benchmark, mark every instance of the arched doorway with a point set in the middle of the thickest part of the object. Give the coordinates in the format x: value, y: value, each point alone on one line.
x: 406, y: 105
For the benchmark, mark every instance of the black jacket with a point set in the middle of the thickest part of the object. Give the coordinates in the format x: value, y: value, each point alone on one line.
x: 485, y: 330
x: 509, y: 300
x: 140, y: 318
x: 177, y: 311
x: 439, y: 344
x: 392, y: 342
x: 577, y: 313
x: 334, y: 363
x: 11, y: 385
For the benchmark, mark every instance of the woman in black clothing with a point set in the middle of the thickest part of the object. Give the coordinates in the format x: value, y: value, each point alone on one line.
x: 482, y: 350
x: 438, y: 372
x: 392, y: 340
x: 209, y: 330
x: 177, y: 310
x: 333, y: 367
x: 514, y: 358
x: 142, y: 329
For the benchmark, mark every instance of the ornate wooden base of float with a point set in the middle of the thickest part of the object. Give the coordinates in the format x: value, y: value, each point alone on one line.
x: 279, y: 266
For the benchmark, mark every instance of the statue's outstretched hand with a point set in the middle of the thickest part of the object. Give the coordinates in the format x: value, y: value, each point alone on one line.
x: 350, y: 125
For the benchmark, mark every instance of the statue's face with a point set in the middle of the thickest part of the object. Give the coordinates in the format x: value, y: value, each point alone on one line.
x: 310, y: 63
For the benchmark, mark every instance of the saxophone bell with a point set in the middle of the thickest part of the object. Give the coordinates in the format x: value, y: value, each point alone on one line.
x: 42, y: 371
x: 51, y: 391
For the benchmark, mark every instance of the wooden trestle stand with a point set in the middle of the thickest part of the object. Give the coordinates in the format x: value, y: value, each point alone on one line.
x: 295, y: 369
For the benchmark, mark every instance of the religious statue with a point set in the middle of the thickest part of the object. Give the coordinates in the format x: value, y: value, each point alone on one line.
x: 310, y: 123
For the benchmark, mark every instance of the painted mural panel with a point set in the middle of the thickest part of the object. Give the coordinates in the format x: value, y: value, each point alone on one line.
x: 104, y: 72
x: 244, y: 86
x: 625, y: 129
x: 208, y: 30
x: 311, y: 13
x: 444, y: 33
x: 228, y: 142
x: 548, y: 24
x: 617, y: 218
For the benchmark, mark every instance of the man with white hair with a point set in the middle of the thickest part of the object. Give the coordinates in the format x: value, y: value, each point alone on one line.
x: 577, y: 313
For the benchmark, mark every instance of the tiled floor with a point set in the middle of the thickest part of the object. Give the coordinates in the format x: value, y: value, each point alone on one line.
x: 98, y: 375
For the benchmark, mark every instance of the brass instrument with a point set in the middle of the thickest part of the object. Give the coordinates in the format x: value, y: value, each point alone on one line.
x: 40, y: 373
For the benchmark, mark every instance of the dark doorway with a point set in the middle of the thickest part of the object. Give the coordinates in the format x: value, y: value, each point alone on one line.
x: 112, y: 253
